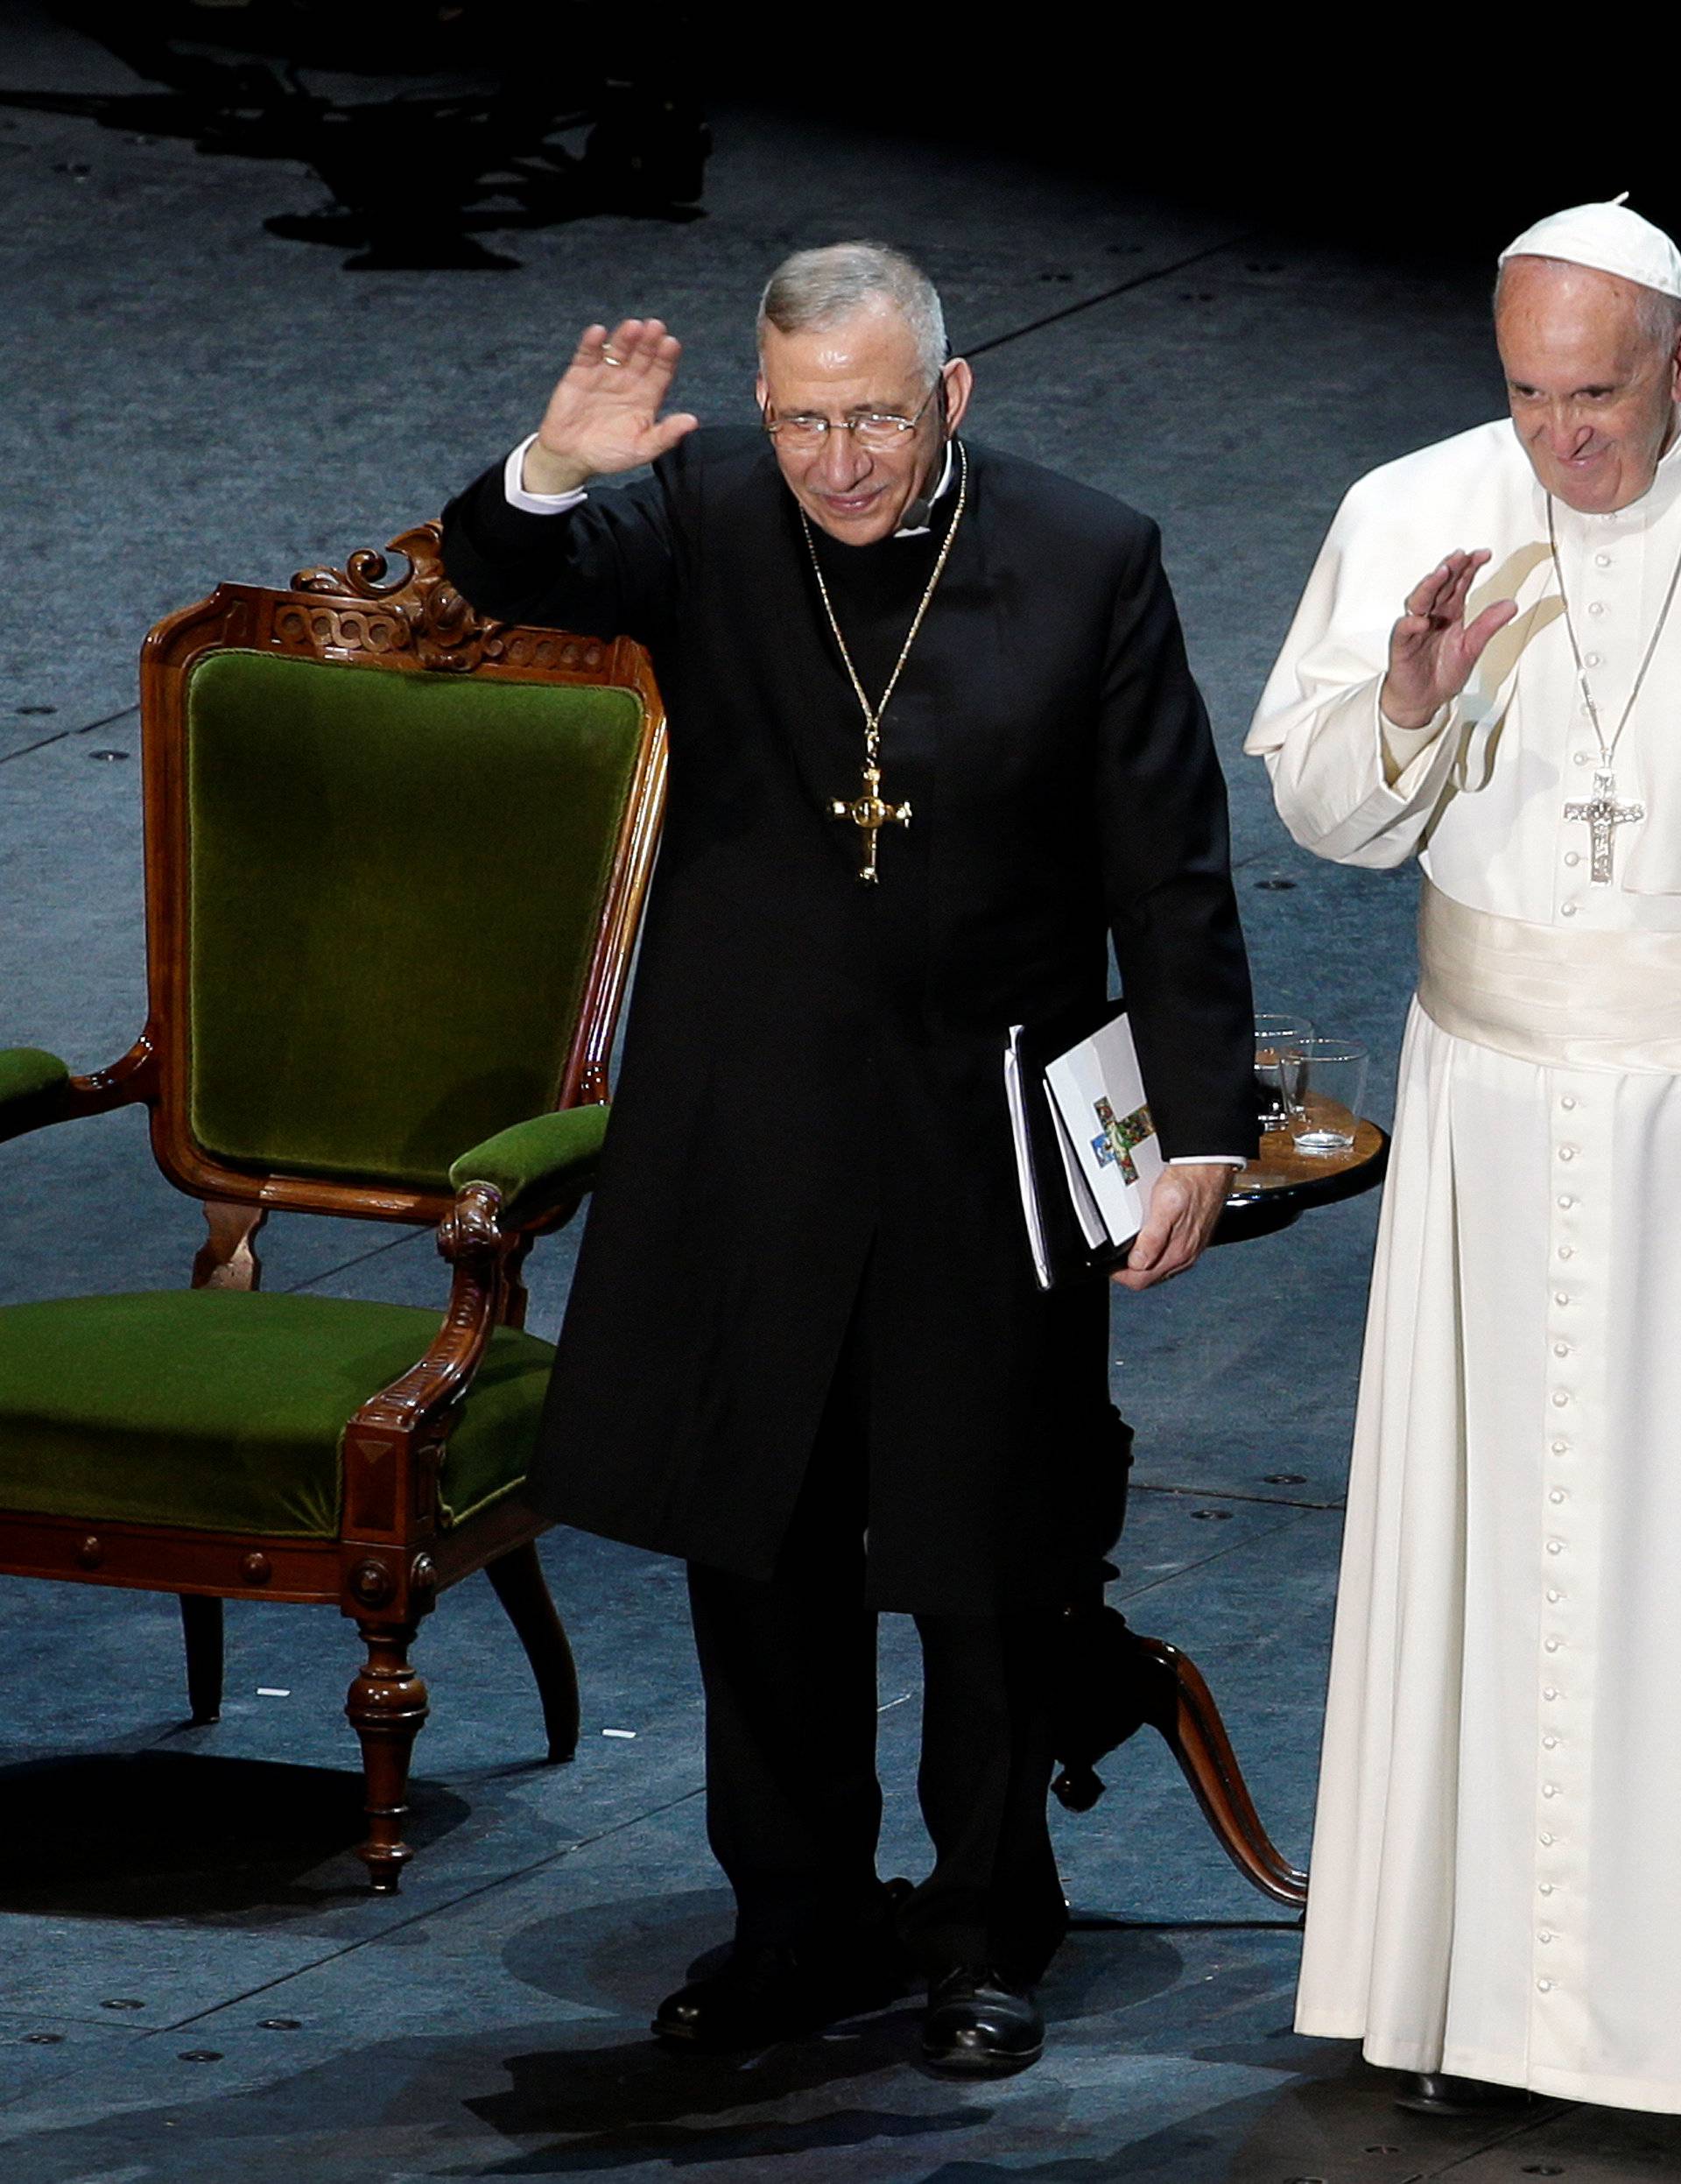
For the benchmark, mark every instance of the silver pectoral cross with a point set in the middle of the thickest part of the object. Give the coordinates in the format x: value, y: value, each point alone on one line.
x: 1604, y: 815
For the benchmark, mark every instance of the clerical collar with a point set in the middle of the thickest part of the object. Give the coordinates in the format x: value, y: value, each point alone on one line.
x: 918, y: 516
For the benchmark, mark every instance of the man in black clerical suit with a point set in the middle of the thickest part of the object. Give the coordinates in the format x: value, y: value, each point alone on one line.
x: 804, y: 1349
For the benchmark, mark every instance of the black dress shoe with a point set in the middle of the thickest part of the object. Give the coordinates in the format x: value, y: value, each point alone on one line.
x: 1434, y: 2093
x: 760, y: 1995
x: 981, y: 2024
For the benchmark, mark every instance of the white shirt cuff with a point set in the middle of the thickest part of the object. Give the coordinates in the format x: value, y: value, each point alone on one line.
x: 1208, y: 1160
x: 1398, y: 747
x: 513, y: 472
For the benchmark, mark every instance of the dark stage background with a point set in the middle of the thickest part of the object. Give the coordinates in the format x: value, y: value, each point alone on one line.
x: 1218, y: 273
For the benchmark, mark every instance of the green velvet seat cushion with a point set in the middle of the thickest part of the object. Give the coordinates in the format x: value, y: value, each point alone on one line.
x: 224, y: 1412
x: 397, y: 884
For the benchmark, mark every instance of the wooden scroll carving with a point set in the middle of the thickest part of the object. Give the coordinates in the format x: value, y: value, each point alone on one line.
x: 421, y: 614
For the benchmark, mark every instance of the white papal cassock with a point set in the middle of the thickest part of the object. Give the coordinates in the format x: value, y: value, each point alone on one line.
x: 1496, y: 1884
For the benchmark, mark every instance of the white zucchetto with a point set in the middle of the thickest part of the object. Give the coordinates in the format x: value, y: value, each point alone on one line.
x: 1610, y: 238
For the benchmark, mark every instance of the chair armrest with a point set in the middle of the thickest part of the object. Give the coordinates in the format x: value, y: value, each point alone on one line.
x: 394, y: 1444
x: 34, y: 1090
x: 535, y: 1167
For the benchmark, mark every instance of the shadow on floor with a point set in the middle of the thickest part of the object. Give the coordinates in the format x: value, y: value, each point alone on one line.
x: 620, y: 2106
x: 625, y: 1955
x: 416, y: 174
x: 172, y: 1835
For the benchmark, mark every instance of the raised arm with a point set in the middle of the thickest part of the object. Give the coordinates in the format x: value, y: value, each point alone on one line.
x: 1361, y: 717
x: 604, y: 415
x: 601, y: 564
x: 1433, y: 650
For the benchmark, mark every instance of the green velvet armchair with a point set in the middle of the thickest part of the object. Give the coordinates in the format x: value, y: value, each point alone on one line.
x: 396, y: 858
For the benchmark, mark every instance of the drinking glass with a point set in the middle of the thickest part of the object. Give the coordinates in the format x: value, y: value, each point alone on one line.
x: 1324, y: 1080
x: 1275, y: 1037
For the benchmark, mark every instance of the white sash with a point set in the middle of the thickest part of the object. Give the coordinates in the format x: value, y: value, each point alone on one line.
x: 1574, y: 1000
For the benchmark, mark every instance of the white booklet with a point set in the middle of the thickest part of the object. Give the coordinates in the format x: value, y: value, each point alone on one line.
x: 1098, y: 1102
x: 1094, y: 1109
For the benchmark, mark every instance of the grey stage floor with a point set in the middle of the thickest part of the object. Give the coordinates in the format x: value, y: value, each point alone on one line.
x: 193, y: 1984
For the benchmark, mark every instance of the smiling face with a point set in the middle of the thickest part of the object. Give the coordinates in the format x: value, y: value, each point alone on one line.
x: 870, y: 362
x: 1591, y: 387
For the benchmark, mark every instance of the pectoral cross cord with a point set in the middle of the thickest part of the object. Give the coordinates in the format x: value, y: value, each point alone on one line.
x: 1601, y: 810
x: 870, y: 812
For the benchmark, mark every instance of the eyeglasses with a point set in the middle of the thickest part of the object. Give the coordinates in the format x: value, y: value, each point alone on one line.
x: 876, y: 428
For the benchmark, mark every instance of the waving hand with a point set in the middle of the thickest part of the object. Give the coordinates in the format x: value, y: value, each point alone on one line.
x: 604, y: 414
x: 1432, y: 649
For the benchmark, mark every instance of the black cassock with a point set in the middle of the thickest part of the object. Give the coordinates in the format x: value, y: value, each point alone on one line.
x: 809, y: 1117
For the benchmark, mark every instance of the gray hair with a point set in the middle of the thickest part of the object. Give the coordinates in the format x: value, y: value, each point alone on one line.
x: 1658, y: 316
x: 814, y: 289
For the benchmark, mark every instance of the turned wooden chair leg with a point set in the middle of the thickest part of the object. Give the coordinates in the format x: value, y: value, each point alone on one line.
x: 1179, y: 1703
x: 201, y: 1628
x: 387, y: 1709
x: 524, y: 1592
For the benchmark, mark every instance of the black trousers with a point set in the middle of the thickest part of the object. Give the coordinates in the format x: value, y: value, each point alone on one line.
x: 793, y: 1804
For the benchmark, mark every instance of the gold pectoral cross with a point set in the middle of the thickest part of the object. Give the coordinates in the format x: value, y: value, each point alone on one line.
x: 869, y: 814
x: 1604, y: 815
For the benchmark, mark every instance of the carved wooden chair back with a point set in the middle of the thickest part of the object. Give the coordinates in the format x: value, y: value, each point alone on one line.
x: 389, y: 913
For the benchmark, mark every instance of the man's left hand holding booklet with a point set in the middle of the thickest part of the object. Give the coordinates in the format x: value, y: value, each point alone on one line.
x: 1087, y: 1152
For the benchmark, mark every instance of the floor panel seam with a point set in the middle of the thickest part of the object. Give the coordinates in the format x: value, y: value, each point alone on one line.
x: 1108, y: 295
x: 1521, y: 2128
x: 1229, y: 1494
x: 454, y: 1903
x: 1202, y: 1562
x: 326, y: 1273
x: 38, y: 2085
x: 63, y: 735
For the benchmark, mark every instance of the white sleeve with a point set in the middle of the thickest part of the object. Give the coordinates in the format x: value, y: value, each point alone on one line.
x: 513, y: 472
x: 1208, y: 1160
x: 1349, y: 785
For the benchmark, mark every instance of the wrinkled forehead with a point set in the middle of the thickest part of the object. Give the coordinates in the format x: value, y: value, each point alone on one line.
x: 871, y: 355
x: 1553, y: 305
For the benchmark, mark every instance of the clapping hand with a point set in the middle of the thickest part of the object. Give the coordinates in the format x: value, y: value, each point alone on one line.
x: 604, y: 414
x: 1432, y: 650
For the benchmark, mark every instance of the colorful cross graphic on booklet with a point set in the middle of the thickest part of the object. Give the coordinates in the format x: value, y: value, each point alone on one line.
x: 1116, y: 1138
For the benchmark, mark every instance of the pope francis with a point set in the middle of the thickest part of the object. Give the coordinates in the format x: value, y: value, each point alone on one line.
x: 1485, y: 671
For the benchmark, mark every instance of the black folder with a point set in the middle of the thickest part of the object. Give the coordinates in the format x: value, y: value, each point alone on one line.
x: 1054, y: 1235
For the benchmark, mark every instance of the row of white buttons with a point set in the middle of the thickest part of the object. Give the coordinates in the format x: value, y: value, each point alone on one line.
x: 1574, y: 857
x: 1558, y: 1496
